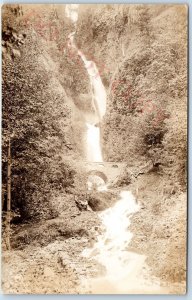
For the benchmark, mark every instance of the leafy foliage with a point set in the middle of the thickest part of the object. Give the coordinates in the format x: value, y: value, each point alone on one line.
x: 145, y: 63
x: 38, y: 120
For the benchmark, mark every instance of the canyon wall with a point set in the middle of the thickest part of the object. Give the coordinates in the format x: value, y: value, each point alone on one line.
x: 141, y: 52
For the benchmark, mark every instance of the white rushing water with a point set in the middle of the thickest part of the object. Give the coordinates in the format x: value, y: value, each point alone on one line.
x: 93, y: 140
x: 98, y: 94
x: 111, y: 249
x: 71, y: 11
x: 116, y: 236
x: 125, y: 271
x: 98, y: 90
x: 93, y: 144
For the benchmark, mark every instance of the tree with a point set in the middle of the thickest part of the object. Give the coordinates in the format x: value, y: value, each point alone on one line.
x: 35, y: 109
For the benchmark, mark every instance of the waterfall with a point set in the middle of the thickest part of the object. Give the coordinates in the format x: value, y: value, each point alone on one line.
x: 123, y: 267
x: 99, y: 96
x: 94, y: 152
x: 98, y: 93
x: 93, y: 144
x: 111, y: 244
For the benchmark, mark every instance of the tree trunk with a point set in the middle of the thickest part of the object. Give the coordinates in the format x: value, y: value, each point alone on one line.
x: 8, y: 196
x: 2, y: 197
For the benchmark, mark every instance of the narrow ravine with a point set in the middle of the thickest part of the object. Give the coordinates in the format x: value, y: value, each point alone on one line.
x: 95, y: 99
x: 124, y: 269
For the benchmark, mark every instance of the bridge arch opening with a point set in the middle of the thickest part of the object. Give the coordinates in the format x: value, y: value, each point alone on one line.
x: 99, y: 174
x: 97, y: 181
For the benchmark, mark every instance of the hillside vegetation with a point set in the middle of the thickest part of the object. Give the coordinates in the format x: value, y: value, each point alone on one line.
x: 39, y: 116
x: 141, y: 52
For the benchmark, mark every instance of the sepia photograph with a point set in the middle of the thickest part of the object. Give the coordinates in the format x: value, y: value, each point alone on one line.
x: 94, y: 149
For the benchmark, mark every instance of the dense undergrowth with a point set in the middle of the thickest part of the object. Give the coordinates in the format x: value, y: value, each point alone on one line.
x: 38, y: 116
x: 141, y: 54
x: 140, y: 51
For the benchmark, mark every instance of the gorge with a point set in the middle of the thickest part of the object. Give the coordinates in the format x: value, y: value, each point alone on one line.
x: 95, y: 107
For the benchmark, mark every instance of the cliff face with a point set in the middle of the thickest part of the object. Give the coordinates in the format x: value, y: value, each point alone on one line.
x: 141, y: 54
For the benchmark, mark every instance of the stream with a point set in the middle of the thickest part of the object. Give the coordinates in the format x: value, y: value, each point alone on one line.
x: 124, y: 269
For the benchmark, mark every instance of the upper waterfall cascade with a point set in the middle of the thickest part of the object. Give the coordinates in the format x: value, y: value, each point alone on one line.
x: 98, y: 94
x: 93, y: 152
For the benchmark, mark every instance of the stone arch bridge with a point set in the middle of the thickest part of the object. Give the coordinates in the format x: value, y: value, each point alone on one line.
x: 108, y: 171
